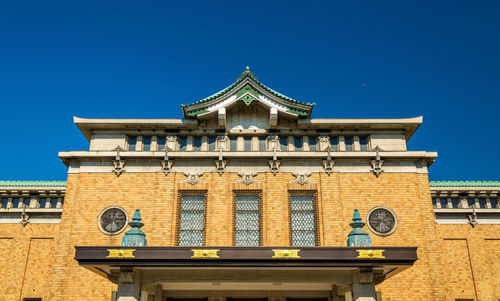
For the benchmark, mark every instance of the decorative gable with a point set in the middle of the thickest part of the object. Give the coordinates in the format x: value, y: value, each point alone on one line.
x: 247, y: 90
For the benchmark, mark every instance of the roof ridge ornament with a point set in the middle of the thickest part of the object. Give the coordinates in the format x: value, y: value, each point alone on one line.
x: 247, y: 73
x: 135, y: 237
x: 358, y: 237
x: 118, y: 163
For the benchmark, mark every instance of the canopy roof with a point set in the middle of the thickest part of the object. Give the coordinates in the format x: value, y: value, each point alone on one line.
x: 247, y: 89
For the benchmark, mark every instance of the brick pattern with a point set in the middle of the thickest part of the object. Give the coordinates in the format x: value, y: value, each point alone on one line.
x: 474, y: 256
x: 433, y: 277
x: 26, y: 256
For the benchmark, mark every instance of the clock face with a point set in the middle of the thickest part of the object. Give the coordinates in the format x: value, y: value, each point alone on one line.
x: 112, y: 220
x: 382, y: 221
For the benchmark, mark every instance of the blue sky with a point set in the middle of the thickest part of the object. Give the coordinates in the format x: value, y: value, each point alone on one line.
x: 355, y: 59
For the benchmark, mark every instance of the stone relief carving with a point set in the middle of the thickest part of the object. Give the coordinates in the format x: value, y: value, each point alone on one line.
x: 25, y: 218
x: 324, y: 143
x: 247, y: 178
x: 328, y: 163
x: 118, y: 163
x: 193, y: 178
x: 220, y: 164
x: 377, y: 163
x: 221, y: 143
x: 171, y: 143
x: 166, y: 163
x: 473, y: 217
x: 274, y: 164
x: 273, y: 143
x: 302, y: 178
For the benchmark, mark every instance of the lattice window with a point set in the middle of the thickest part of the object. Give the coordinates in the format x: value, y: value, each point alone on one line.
x: 191, y: 220
x: 303, y: 219
x: 247, y: 219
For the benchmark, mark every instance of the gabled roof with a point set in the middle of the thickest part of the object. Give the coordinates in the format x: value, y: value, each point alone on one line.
x: 247, y: 89
x: 464, y: 183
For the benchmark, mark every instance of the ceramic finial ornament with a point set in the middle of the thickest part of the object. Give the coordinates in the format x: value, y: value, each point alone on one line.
x: 358, y: 237
x: 135, y: 237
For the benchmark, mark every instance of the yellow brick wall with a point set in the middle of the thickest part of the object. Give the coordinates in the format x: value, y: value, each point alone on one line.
x: 433, y: 277
x: 471, y: 264
x: 26, y: 255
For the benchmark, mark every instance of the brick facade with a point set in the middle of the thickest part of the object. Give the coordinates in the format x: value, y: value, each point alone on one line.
x: 455, y: 261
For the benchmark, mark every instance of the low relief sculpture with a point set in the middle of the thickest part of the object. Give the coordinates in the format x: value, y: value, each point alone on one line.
x: 118, y: 163
x: 193, y: 178
x: 473, y: 217
x: 166, y: 163
x: 25, y: 218
x: 274, y: 164
x: 302, y: 178
x: 377, y: 163
x: 247, y: 178
x: 220, y: 164
x: 328, y: 163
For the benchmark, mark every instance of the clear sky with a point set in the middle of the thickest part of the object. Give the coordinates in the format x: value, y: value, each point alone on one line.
x: 355, y: 59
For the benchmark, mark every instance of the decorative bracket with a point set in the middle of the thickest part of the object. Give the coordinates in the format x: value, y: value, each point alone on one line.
x: 328, y: 163
x: 473, y: 217
x: 247, y: 178
x: 302, y: 178
x: 193, y: 178
x: 166, y: 163
x: 25, y: 218
x: 118, y: 163
x: 377, y: 163
x: 220, y: 164
x: 274, y: 164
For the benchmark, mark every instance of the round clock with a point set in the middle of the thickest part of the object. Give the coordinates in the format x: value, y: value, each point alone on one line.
x: 112, y: 220
x: 382, y: 221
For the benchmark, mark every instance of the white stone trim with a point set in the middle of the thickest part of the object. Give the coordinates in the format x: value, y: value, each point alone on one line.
x: 244, y: 166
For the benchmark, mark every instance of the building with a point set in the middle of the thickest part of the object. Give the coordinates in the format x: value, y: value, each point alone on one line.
x: 248, y: 198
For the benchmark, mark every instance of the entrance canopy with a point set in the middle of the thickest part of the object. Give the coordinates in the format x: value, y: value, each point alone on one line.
x: 243, y: 268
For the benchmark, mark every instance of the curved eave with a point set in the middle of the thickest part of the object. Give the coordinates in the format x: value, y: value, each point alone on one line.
x: 409, y: 125
x: 264, y: 90
x: 87, y: 125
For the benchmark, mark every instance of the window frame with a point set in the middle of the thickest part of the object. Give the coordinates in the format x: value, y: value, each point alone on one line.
x: 247, y: 192
x: 181, y: 193
x: 314, y: 194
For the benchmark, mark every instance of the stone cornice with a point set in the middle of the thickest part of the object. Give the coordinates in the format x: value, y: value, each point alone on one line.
x: 410, y: 125
x: 86, y: 125
x: 428, y: 156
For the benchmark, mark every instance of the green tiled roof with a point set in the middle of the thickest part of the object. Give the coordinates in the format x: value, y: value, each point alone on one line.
x: 465, y: 183
x: 246, y: 74
x: 33, y: 183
